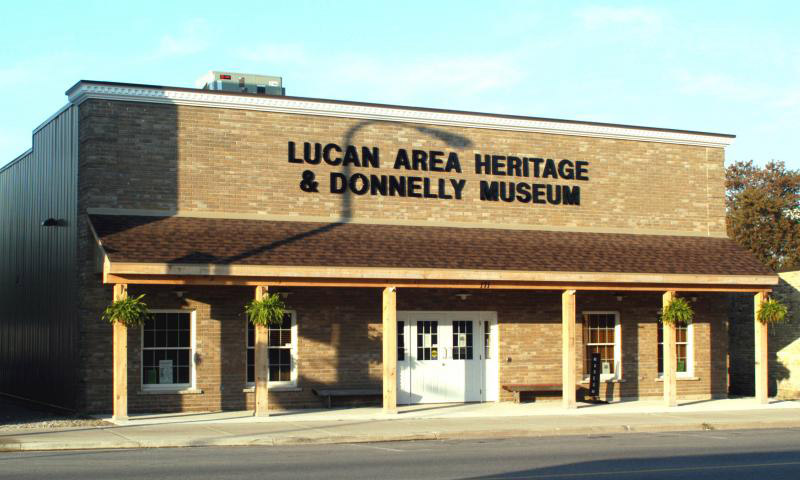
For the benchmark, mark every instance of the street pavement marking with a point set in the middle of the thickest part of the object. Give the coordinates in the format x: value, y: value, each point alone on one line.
x: 648, y: 470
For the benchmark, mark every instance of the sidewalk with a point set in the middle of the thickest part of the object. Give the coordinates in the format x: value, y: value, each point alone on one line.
x: 422, y: 422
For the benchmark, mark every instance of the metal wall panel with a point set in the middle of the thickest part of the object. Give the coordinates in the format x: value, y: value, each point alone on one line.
x: 38, y: 266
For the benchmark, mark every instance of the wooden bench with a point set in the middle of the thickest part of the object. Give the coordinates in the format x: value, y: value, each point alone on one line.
x: 518, y: 388
x: 328, y: 393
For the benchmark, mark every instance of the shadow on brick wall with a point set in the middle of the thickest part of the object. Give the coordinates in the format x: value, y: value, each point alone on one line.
x: 128, y: 159
x: 741, y: 341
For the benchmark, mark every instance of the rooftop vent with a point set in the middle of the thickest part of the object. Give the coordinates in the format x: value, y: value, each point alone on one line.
x: 241, y: 82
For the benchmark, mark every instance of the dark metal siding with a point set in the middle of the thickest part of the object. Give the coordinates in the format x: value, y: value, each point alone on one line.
x: 38, y: 266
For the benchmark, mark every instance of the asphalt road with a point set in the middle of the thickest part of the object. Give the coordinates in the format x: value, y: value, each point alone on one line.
x: 752, y: 454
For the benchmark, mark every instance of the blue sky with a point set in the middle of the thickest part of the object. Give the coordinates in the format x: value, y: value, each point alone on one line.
x: 730, y: 67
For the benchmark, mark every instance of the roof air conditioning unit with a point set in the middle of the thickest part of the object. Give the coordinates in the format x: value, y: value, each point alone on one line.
x: 242, y: 83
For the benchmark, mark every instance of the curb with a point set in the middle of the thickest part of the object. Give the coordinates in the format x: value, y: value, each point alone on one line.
x: 13, y: 445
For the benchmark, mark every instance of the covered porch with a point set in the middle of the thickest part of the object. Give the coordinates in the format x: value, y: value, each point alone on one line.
x: 382, y: 260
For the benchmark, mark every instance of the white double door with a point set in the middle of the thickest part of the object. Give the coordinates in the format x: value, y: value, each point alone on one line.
x: 447, y: 357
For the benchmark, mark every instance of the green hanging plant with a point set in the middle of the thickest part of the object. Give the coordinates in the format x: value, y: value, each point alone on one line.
x: 677, y: 312
x: 772, y: 312
x: 267, y: 311
x: 130, y: 312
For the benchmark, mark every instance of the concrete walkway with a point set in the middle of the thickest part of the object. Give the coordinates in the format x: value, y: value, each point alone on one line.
x: 422, y: 422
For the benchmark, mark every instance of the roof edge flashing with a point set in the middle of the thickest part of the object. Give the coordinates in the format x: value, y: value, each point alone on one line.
x: 85, y: 89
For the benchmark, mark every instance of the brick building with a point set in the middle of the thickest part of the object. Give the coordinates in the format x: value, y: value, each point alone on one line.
x: 492, y: 250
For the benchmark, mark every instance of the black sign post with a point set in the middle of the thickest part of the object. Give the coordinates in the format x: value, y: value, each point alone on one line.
x: 594, y: 376
x: 594, y: 379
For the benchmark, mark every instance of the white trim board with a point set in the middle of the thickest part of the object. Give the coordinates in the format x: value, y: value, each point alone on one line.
x: 83, y: 91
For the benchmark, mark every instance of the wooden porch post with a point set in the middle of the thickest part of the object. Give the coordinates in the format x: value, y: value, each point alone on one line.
x: 669, y: 356
x: 120, y: 360
x: 262, y: 362
x: 761, y: 351
x: 390, y: 350
x: 568, y: 368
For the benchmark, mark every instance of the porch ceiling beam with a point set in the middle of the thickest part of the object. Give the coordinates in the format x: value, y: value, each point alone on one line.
x: 390, y: 275
x: 152, y: 279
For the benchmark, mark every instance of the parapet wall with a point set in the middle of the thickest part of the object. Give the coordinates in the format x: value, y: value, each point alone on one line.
x: 237, y: 163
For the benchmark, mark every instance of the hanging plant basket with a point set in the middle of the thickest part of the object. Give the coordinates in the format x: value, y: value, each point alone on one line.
x: 267, y: 311
x: 677, y: 312
x: 130, y: 312
x: 772, y: 312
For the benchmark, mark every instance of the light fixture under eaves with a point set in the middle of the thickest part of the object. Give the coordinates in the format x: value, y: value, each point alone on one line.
x: 54, y: 222
x: 463, y: 295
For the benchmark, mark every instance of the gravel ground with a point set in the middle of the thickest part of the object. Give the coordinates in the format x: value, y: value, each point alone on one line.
x: 17, y: 415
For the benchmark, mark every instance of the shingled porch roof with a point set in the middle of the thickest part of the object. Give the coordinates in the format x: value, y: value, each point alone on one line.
x: 192, y: 246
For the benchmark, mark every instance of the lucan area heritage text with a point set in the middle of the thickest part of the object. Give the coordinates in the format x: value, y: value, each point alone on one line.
x: 534, y: 180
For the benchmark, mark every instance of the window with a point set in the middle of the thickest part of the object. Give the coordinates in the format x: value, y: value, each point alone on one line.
x: 401, y: 342
x: 683, y: 344
x: 601, y: 334
x: 487, y: 340
x: 282, y: 351
x: 427, y: 340
x: 462, y: 340
x: 167, y: 350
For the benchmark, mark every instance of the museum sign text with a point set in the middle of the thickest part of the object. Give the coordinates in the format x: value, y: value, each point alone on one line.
x: 360, y: 174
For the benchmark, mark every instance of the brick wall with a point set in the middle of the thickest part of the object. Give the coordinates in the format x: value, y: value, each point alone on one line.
x: 222, y: 161
x: 530, y: 343
x: 783, y: 341
x: 339, y: 343
x: 148, y: 156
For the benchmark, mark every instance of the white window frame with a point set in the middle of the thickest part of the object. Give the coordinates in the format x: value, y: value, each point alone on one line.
x: 689, y: 373
x: 292, y: 359
x: 175, y: 387
x: 404, y: 345
x: 617, y: 375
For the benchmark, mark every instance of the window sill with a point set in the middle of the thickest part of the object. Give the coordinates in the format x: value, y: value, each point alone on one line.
x: 166, y: 391
x: 680, y: 379
x: 587, y: 381
x: 282, y: 388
